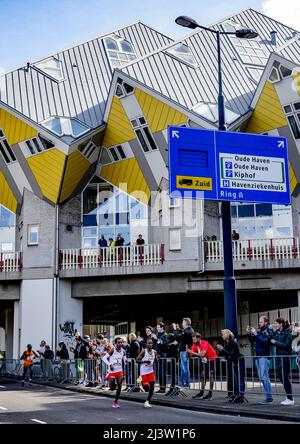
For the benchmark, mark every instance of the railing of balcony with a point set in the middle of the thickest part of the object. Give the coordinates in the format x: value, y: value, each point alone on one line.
x: 10, y: 262
x: 111, y: 257
x: 254, y: 250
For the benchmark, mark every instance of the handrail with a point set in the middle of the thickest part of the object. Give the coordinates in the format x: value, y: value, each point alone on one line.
x: 254, y: 250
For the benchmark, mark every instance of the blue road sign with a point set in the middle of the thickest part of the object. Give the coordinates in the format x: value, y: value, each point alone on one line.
x: 219, y: 165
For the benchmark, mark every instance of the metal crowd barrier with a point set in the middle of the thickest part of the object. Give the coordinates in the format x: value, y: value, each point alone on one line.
x: 222, y: 376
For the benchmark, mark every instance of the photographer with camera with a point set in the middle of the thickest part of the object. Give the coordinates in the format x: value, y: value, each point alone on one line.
x: 262, y: 338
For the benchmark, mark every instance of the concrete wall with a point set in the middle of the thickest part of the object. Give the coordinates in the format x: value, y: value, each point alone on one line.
x: 36, y: 312
x: 70, y: 216
x: 188, y: 218
x: 69, y: 315
x: 296, y: 215
x: 37, y: 211
x: 212, y: 219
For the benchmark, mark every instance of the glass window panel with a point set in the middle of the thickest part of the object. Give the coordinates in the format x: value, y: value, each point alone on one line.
x: 126, y: 46
x: 4, y: 154
x: 105, y: 219
x: 54, y: 125
x: 122, y: 56
x: 90, y: 242
x: 114, y: 154
x: 37, y: 145
x: 113, y: 55
x: 88, y: 232
x: 142, y: 120
x: 131, y: 57
x: 30, y: 147
x: 297, y: 106
x: 134, y: 123
x: 7, y: 218
x: 286, y: 72
x: 264, y: 210
x: 121, y: 152
x: 47, y: 144
x: 9, y: 150
x: 77, y: 128
x: 287, y: 109
x: 175, y: 239
x: 294, y: 127
x: 182, y: 51
x: 90, y: 200
x: 52, y: 67
x: 128, y: 88
x: 246, y: 210
x: 274, y: 76
x: 105, y: 158
x: 119, y: 91
x: 142, y: 141
x: 33, y: 234
x: 122, y: 218
x: 256, y: 61
x: 246, y: 59
x: 7, y: 247
x: 233, y: 211
x: 150, y: 138
x: 1, y: 133
x: 111, y: 43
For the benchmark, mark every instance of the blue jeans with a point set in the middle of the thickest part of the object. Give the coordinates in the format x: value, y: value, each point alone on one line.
x: 184, y: 368
x: 262, y: 366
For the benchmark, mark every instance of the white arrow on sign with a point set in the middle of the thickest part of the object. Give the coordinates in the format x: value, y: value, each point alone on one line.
x: 175, y: 134
x: 281, y: 144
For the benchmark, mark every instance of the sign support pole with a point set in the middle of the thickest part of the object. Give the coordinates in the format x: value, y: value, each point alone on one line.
x: 230, y: 297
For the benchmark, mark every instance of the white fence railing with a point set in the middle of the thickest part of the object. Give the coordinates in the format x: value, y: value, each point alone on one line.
x: 111, y: 257
x: 10, y: 262
x: 254, y: 250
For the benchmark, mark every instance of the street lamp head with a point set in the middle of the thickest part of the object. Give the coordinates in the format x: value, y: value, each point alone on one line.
x: 186, y: 22
x: 246, y: 34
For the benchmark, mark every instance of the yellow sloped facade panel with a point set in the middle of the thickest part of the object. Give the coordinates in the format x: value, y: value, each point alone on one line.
x: 158, y: 115
x: 47, y: 169
x: 293, y: 180
x: 127, y: 172
x: 14, y: 129
x: 76, y: 168
x: 7, y: 197
x: 296, y: 79
x: 268, y: 114
x: 118, y: 129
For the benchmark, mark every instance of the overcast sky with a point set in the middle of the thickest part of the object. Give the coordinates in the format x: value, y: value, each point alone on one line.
x: 32, y: 29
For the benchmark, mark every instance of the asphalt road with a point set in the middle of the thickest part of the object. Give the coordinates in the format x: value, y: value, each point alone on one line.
x: 45, y: 405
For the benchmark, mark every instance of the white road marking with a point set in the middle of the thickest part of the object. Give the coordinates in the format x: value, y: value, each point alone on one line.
x: 3, y: 408
x: 38, y: 421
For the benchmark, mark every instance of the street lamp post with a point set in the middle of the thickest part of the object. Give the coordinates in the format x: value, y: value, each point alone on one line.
x: 230, y: 299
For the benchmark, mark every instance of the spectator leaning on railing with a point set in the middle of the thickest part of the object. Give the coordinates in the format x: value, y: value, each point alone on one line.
x: 262, y: 339
x: 185, y: 340
x: 283, y: 343
x: 235, y: 367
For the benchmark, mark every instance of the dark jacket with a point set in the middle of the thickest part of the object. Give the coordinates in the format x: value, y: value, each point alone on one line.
x: 63, y: 352
x: 80, y: 351
x: 48, y: 354
x: 262, y: 340
x: 172, y: 350
x: 231, y: 351
x: 184, y: 338
x: 283, y: 344
x: 162, y: 344
x: 133, y: 350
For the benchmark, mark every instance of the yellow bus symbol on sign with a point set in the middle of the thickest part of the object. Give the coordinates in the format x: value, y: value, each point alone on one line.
x: 194, y: 183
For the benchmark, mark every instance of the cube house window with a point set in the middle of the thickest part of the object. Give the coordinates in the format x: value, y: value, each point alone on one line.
x: 33, y: 235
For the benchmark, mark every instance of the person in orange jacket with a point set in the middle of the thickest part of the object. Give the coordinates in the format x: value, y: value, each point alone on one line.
x: 28, y: 357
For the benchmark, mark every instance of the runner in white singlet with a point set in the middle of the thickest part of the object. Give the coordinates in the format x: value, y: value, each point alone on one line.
x: 147, y: 357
